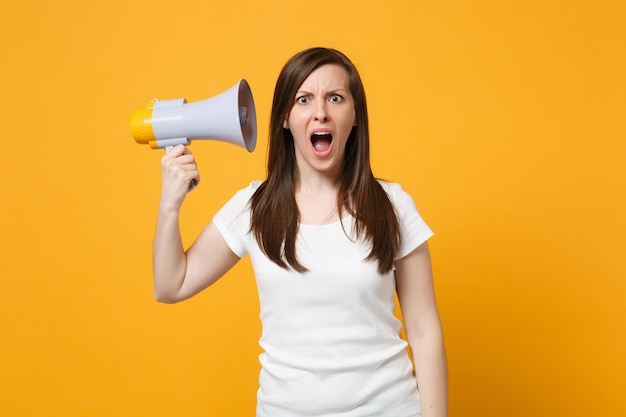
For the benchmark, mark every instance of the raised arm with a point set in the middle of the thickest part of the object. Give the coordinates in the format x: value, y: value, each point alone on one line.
x: 414, y: 282
x: 180, y: 274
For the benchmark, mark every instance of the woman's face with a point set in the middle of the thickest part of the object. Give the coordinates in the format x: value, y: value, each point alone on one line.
x: 321, y: 120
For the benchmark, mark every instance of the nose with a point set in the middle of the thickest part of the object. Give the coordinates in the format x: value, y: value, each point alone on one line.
x: 321, y: 114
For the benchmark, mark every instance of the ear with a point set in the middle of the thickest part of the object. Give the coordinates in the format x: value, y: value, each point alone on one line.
x: 285, y: 124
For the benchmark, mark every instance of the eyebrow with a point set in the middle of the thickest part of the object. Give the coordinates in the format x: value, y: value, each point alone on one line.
x: 331, y: 91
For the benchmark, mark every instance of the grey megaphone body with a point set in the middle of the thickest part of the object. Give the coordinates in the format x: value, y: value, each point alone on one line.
x: 228, y: 117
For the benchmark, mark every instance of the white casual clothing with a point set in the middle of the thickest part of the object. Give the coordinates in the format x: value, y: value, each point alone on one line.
x: 330, y: 337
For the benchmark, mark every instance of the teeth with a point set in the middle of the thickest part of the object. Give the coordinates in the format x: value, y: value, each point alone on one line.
x: 323, y: 143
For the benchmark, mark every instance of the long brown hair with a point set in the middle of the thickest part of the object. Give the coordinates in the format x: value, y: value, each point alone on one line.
x: 275, y: 215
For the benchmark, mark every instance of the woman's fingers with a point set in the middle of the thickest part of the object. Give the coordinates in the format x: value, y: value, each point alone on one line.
x: 179, y: 172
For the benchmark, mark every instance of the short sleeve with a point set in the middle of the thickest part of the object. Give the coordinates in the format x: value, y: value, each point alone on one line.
x: 233, y: 219
x: 413, y: 229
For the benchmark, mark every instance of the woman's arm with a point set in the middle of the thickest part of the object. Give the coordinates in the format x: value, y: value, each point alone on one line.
x: 180, y: 274
x: 414, y: 282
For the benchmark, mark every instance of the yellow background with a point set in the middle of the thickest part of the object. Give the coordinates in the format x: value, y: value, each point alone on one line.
x: 504, y: 120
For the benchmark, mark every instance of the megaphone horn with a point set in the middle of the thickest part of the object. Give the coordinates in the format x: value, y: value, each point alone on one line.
x: 229, y: 117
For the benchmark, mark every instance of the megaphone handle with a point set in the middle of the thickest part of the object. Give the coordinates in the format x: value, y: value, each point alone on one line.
x: 192, y: 184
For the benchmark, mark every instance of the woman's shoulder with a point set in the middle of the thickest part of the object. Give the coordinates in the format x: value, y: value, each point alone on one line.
x: 397, y: 194
x: 247, y: 192
x: 393, y: 189
x: 253, y: 186
x: 239, y: 201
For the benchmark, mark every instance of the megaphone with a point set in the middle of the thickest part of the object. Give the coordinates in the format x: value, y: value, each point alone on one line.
x: 229, y: 117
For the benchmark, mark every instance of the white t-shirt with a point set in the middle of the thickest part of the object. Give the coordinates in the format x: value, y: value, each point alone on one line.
x: 331, y: 341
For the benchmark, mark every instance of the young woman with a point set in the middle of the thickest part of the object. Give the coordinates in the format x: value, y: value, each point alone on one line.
x: 330, y: 246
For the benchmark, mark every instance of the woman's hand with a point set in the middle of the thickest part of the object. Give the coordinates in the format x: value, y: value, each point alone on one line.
x: 179, y: 171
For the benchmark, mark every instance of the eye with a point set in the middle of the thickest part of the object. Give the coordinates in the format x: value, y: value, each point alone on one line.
x: 335, y: 98
x: 302, y: 100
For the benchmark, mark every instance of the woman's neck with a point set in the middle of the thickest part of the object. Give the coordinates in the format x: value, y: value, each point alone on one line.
x: 317, y: 201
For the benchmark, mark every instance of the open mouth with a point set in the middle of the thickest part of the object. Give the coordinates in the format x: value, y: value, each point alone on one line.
x: 321, y: 141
